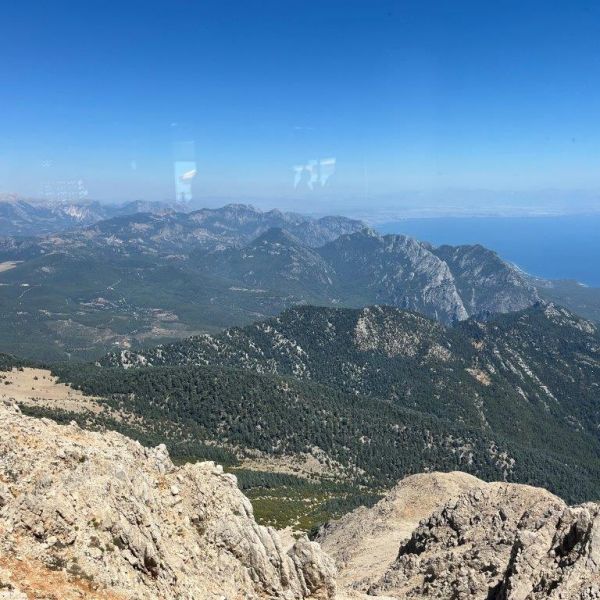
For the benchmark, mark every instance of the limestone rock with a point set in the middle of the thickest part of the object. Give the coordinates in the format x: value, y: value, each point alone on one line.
x: 365, y: 543
x: 462, y: 550
x: 475, y: 540
x: 103, y: 512
x: 556, y: 558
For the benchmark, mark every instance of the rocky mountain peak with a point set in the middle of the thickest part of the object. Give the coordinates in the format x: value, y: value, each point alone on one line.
x: 101, y: 516
x: 474, y: 541
x: 276, y: 235
x: 485, y: 282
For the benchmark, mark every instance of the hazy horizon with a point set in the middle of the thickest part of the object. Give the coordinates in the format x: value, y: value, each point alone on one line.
x: 378, y: 108
x: 409, y: 205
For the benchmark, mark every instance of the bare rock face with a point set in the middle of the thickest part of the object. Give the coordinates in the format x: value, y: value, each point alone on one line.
x: 104, y: 517
x: 475, y: 540
x: 556, y: 558
x: 462, y: 550
x: 365, y: 543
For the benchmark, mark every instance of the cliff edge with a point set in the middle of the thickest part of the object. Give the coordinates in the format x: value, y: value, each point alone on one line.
x: 97, y: 515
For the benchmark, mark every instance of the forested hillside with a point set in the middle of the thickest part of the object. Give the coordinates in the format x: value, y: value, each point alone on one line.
x: 542, y: 363
x: 227, y: 414
x: 371, y: 395
x: 518, y: 383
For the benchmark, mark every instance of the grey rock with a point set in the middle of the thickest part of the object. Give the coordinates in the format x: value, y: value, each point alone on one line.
x: 124, y: 519
x: 493, y: 541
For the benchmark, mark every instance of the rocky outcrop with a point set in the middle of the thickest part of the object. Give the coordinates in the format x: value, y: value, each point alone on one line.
x: 463, y: 549
x: 98, y: 516
x: 395, y: 270
x: 556, y: 557
x: 485, y: 282
x: 365, y: 543
x: 106, y: 517
x: 493, y: 541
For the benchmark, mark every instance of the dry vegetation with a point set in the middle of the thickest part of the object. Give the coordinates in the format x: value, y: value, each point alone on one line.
x: 38, y: 387
x: 8, y: 265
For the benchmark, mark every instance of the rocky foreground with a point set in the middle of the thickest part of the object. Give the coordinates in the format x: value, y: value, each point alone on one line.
x: 453, y: 536
x: 90, y: 515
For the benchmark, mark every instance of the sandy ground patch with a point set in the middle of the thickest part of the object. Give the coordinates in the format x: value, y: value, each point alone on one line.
x: 9, y: 264
x: 35, y: 580
x: 366, y: 541
x: 38, y: 387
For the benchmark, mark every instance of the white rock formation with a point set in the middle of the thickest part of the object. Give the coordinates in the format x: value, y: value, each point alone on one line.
x: 491, y: 541
x: 365, y: 542
x: 97, y: 515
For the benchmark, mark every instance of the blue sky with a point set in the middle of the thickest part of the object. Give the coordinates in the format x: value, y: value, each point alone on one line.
x: 413, y: 99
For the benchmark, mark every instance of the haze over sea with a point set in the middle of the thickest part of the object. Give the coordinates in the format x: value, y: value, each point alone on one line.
x: 557, y: 247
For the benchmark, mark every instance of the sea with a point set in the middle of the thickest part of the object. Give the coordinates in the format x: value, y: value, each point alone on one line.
x: 553, y: 247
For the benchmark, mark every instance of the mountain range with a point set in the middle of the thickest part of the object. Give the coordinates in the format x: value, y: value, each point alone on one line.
x: 139, y: 230
x: 328, y: 363
x: 32, y: 217
x: 143, y: 278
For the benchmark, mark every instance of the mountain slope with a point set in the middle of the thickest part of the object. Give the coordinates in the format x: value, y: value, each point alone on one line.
x: 526, y: 379
x: 449, y: 535
x: 485, y: 282
x: 275, y: 260
x: 99, y: 516
x: 355, y: 438
x: 499, y: 541
x: 579, y: 298
x: 394, y: 270
x: 543, y: 357
x: 236, y: 415
x: 364, y: 268
x: 364, y: 543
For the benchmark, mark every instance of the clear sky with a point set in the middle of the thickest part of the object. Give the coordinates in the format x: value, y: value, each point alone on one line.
x: 377, y: 101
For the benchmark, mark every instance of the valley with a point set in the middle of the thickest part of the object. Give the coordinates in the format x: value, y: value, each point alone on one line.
x: 369, y: 395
